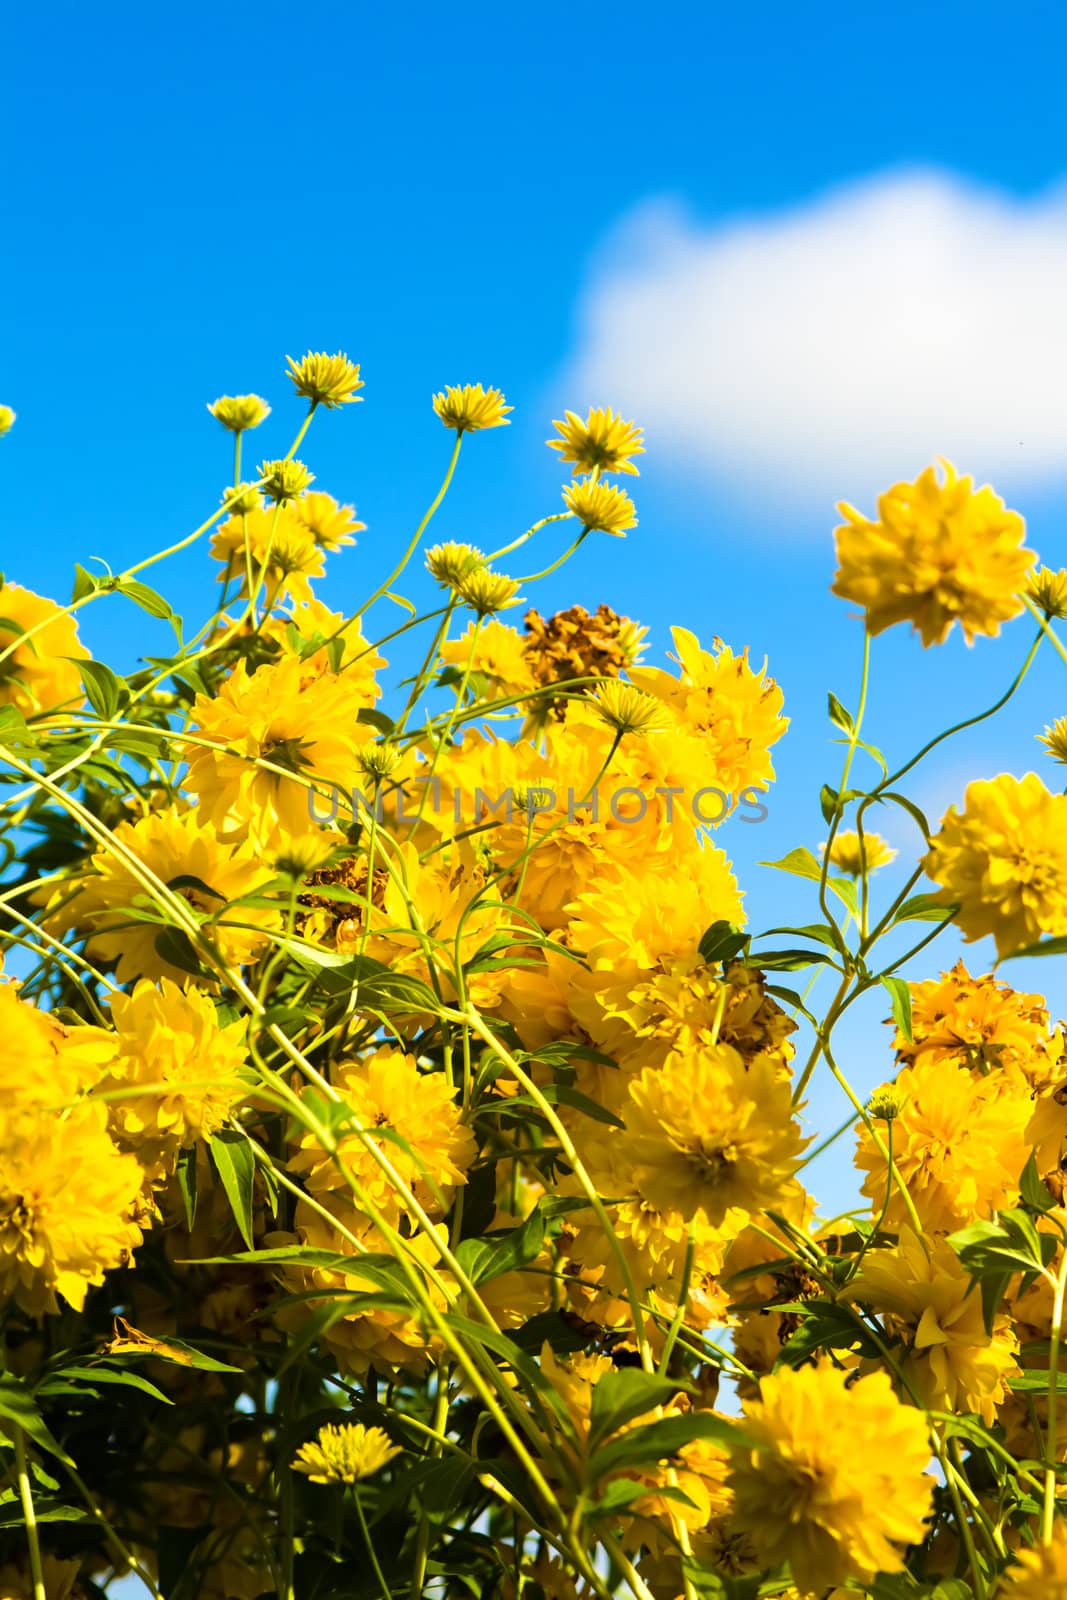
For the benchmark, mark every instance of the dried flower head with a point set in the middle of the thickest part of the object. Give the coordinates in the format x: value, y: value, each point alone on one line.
x: 600, y: 506
x: 329, y: 381
x: 603, y: 442
x: 239, y: 412
x: 629, y: 710
x: 241, y: 499
x: 450, y: 562
x: 488, y: 592
x: 1054, y: 739
x: 284, y: 480
x: 7, y: 419
x: 1048, y: 591
x: 471, y: 408
x: 345, y: 1454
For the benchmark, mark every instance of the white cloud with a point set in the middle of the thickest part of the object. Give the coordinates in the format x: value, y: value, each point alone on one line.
x: 833, y: 349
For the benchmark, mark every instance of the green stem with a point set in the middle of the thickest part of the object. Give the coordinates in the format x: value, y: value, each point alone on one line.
x: 29, y: 1516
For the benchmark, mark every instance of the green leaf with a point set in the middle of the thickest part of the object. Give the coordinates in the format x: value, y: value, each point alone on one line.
x: 829, y: 802
x: 103, y: 690
x: 838, y: 715
x: 148, y: 599
x: 788, y: 960
x: 722, y: 941
x: 235, y: 1164
x: 621, y: 1396
x: 176, y: 947
x: 84, y: 583
x: 104, y: 1375
x: 827, y: 1325
x: 1043, y: 947
x: 19, y: 1413
x: 45, y: 1511
x: 802, y: 864
x: 899, y: 992
x: 924, y: 908
x: 1032, y: 1190
x: 485, y: 1258
x: 654, y: 1441
x: 186, y: 1176
x: 376, y: 719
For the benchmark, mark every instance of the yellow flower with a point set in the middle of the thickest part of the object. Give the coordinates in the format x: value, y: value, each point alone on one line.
x: 498, y: 654
x: 486, y: 591
x: 284, y: 479
x: 38, y: 675
x: 600, y: 507
x: 44, y: 1063
x: 345, y: 1454
x: 836, y: 1482
x: 627, y: 709
x: 958, y: 1145
x: 450, y: 562
x: 706, y: 1134
x: 952, y: 1363
x: 68, y: 1197
x: 342, y: 646
x: 1003, y: 860
x: 1048, y: 591
x: 281, y: 549
x: 415, y: 1123
x: 171, y: 1042
x: 239, y: 412
x: 938, y: 553
x: 471, y: 408
x: 7, y: 420
x: 329, y: 381
x: 1054, y: 739
x: 849, y: 854
x: 602, y: 442
x: 886, y: 1103
x: 240, y: 499
x: 726, y: 716
x: 302, y: 723
x: 1040, y: 1573
x: 176, y: 848
x: 329, y: 524
x: 982, y: 1025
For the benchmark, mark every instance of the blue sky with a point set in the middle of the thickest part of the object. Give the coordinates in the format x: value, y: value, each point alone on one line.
x: 449, y: 194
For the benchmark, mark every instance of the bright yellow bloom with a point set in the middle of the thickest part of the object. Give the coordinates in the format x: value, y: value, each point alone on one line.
x: 1040, y: 1573
x: 171, y: 1042
x: 726, y: 716
x: 280, y: 548
x: 239, y: 412
x: 415, y: 1124
x: 498, y: 655
x: 178, y: 850
x: 68, y: 1198
x: 470, y: 408
x: 1054, y: 739
x: 44, y: 1064
x: 837, y: 1483
x: 345, y: 1454
x: 7, y: 420
x: 849, y: 854
x: 330, y: 524
x: 303, y: 723
x: 603, y: 441
x: 342, y: 646
x: 329, y: 381
x: 939, y: 553
x: 627, y: 709
x: 450, y: 562
x: 982, y: 1025
x: 284, y: 479
x: 600, y: 507
x: 958, y: 1145
x: 1003, y: 860
x: 487, y: 591
x: 951, y: 1362
x: 1048, y: 591
x: 37, y: 676
x: 707, y: 1133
